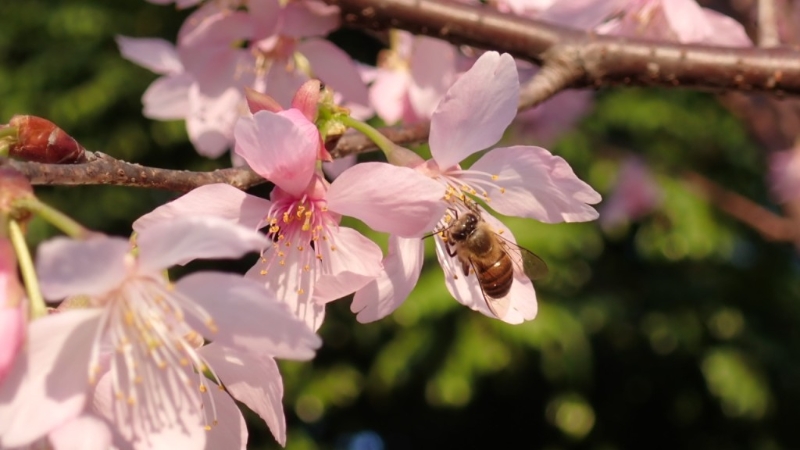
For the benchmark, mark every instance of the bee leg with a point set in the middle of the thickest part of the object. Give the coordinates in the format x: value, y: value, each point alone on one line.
x: 451, y: 253
x: 465, y: 268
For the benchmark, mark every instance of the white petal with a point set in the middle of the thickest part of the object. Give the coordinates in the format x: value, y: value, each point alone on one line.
x: 47, y: 385
x: 82, y: 433
x: 248, y: 316
x: 69, y: 267
x: 254, y: 381
x: 355, y: 262
x: 401, y: 270
x: 165, y: 244
x: 219, y: 200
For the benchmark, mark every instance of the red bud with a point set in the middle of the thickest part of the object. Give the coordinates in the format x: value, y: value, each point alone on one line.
x: 40, y: 140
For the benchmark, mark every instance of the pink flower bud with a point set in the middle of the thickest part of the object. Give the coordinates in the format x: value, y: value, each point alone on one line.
x: 307, y: 99
x: 40, y: 140
x: 256, y: 101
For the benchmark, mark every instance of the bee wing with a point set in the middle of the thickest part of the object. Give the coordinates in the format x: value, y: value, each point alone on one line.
x: 532, y: 265
x: 498, y: 306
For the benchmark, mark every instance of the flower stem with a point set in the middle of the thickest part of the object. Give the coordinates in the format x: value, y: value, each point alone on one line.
x: 58, y: 219
x: 374, y: 135
x: 8, y: 132
x: 37, y: 305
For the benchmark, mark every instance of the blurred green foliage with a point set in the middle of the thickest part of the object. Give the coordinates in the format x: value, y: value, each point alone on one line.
x: 678, y: 331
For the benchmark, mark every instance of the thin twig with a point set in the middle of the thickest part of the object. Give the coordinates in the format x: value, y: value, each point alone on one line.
x: 767, y: 223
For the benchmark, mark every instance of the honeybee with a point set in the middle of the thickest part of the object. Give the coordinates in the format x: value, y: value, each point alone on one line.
x: 490, y: 256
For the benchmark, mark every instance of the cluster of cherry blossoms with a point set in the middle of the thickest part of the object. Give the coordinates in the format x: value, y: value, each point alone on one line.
x: 137, y: 360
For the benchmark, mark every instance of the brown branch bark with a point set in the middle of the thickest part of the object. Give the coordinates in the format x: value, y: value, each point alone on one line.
x: 771, y: 226
x: 602, y: 60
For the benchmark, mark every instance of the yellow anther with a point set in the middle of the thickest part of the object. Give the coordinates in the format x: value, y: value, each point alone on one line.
x: 263, y: 272
x: 307, y: 268
x: 131, y: 400
x: 495, y: 177
x: 301, y: 291
x: 300, y: 248
x: 283, y: 262
x: 333, y: 248
x: 502, y: 190
x: 207, y: 427
x: 184, y: 362
x: 319, y: 257
x: 203, y: 388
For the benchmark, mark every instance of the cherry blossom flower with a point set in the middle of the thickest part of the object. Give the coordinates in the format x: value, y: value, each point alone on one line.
x: 311, y: 259
x: 411, y: 77
x: 635, y: 195
x: 205, y: 75
x: 140, y: 343
x: 516, y: 181
x: 673, y: 20
x: 12, y: 314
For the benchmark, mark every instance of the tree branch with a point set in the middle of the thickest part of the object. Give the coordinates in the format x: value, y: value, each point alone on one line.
x: 771, y: 226
x: 602, y: 60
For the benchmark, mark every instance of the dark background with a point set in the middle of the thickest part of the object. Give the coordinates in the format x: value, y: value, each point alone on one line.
x: 677, y: 331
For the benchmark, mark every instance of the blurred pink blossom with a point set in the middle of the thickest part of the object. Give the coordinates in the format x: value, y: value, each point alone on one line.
x: 672, y: 20
x: 784, y: 175
x: 221, y: 50
x: 411, y: 77
x: 140, y: 344
x: 517, y: 181
x: 635, y: 195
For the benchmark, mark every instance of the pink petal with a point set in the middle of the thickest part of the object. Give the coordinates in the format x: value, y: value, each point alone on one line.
x: 82, y: 433
x: 476, y: 110
x: 333, y: 66
x: 209, y: 53
x: 266, y: 15
x: 218, y: 200
x: 254, y: 381
x: 726, y: 31
x: 230, y: 431
x: 69, y: 267
x: 390, y: 199
x: 687, y: 20
x: 355, y: 262
x: 167, y: 98
x: 283, y: 83
x: 257, y: 101
x: 47, y: 386
x: 401, y: 270
x: 12, y: 332
x: 388, y: 94
x: 282, y: 147
x: 433, y: 70
x: 309, y: 18
x: 248, y: 316
x: 520, y: 303
x: 157, y: 55
x: 179, y: 241
x: 537, y: 185
x: 583, y: 14
x: 336, y: 167
x: 211, y: 118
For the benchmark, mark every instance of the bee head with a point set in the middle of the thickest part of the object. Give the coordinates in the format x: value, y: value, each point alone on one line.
x: 464, y: 227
